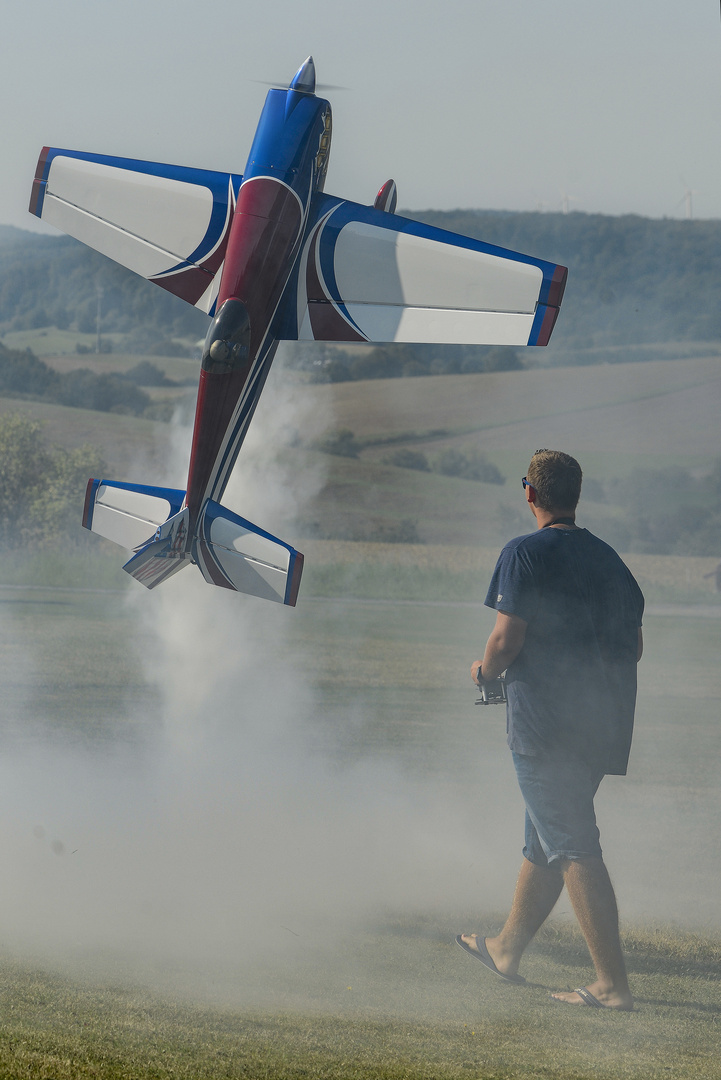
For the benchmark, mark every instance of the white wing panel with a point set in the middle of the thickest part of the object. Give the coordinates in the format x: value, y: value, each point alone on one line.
x: 382, y: 266
x: 124, y: 248
x: 167, y: 214
x: 168, y: 223
x: 443, y: 326
x: 368, y: 275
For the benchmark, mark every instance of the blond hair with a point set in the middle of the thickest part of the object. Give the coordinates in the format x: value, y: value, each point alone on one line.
x: 556, y: 478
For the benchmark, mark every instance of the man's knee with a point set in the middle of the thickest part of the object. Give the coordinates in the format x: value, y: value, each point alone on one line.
x: 585, y: 867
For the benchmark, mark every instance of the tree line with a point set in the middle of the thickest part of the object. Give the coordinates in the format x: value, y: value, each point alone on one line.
x: 24, y: 375
x: 41, y: 486
x: 633, y: 282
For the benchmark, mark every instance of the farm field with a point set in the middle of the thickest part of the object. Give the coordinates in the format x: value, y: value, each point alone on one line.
x: 615, y: 418
x: 643, y: 410
x: 260, y: 873
x: 60, y: 349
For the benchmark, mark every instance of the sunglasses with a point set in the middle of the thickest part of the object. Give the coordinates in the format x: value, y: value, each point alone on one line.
x: 526, y: 484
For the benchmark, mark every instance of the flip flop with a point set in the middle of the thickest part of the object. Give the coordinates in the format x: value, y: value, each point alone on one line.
x: 588, y: 999
x: 482, y: 954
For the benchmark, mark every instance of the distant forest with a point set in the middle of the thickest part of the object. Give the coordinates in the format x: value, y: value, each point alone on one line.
x: 55, y: 281
x: 634, y: 282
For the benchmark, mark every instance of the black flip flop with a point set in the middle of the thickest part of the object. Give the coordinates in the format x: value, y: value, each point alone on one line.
x: 588, y: 999
x: 482, y: 954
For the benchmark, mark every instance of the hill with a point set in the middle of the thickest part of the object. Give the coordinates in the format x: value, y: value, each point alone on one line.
x: 635, y: 285
x: 55, y: 281
x: 640, y: 410
x: 632, y: 280
x: 645, y: 433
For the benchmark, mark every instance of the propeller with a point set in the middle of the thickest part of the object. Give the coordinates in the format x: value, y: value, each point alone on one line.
x: 278, y: 85
x: 304, y: 80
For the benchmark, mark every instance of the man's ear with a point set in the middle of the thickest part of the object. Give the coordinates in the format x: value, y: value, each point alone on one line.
x: 530, y: 495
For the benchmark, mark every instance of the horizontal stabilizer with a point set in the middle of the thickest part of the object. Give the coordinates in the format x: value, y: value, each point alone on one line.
x: 235, y: 554
x: 128, y: 514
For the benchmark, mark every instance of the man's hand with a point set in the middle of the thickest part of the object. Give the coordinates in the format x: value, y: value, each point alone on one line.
x: 475, y: 671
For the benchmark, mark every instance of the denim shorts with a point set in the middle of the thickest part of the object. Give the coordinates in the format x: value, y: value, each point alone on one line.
x: 558, y: 791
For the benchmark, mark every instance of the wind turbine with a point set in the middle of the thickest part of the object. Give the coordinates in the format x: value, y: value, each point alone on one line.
x: 566, y: 201
x: 688, y: 199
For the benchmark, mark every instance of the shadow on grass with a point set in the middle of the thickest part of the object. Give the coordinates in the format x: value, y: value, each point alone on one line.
x: 667, y: 951
x: 668, y: 1003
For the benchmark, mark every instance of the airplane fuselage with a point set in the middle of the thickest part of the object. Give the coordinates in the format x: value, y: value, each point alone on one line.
x: 286, y: 166
x: 270, y: 257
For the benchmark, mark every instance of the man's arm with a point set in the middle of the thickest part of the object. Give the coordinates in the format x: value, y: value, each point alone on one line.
x: 502, y: 648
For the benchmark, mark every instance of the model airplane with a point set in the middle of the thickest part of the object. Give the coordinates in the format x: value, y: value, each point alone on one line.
x: 271, y: 258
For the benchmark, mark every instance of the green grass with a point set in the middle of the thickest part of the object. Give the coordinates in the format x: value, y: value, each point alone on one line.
x: 507, y: 404
x: 51, y: 343
x: 94, y: 565
x: 372, y: 580
x: 419, y: 1010
x: 47, y: 341
x: 394, y: 998
x: 363, y: 570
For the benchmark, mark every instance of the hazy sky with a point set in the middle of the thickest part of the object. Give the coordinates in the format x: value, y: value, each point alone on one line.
x: 466, y: 103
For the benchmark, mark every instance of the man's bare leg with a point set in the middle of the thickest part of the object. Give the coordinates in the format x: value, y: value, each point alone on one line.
x: 594, y: 903
x: 537, y: 890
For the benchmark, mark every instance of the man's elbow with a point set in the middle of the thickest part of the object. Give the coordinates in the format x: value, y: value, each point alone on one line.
x: 507, y: 648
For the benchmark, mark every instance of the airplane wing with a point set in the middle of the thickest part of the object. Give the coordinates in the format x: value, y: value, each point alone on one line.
x: 368, y: 275
x: 168, y: 223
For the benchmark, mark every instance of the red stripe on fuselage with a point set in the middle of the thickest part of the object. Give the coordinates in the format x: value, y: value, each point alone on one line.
x: 262, y: 247
x: 266, y: 227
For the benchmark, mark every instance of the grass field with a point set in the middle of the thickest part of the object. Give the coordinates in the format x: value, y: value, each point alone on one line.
x: 371, y: 571
x: 656, y: 407
x: 238, y: 840
x: 58, y: 346
x: 614, y: 418
x: 385, y: 820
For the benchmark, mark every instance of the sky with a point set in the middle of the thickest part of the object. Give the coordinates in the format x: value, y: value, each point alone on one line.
x: 610, y: 108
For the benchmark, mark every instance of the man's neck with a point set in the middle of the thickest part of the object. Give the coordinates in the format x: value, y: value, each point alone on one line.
x: 549, y: 519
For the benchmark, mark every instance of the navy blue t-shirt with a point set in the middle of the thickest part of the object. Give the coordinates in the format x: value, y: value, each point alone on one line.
x: 573, y: 684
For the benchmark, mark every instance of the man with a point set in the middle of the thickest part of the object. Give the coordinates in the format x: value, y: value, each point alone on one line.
x: 568, y: 635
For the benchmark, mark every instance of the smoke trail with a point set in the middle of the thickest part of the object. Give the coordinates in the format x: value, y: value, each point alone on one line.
x: 232, y: 836
x: 229, y: 828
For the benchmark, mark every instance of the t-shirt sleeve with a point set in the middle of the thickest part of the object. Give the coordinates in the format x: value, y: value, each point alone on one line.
x: 514, y: 585
x: 639, y: 599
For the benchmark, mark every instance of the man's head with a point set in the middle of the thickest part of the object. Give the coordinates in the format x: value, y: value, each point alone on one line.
x: 556, y: 479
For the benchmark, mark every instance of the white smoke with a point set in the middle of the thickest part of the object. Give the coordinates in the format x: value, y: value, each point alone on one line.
x: 226, y: 823
x: 227, y: 832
